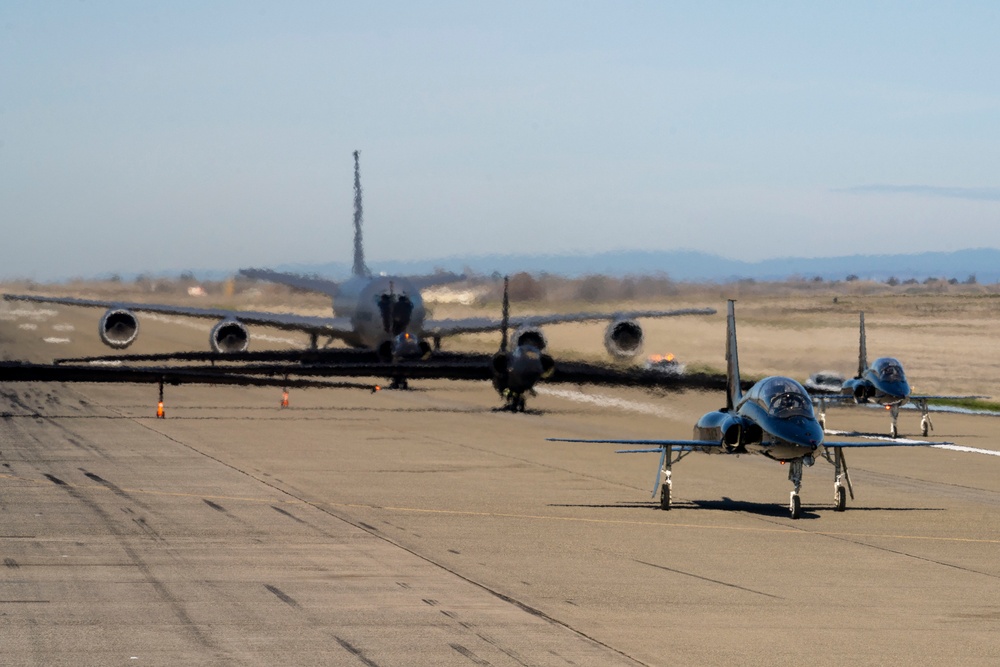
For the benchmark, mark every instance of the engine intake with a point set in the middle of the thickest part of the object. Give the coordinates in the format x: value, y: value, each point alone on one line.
x: 623, y: 339
x: 862, y: 392
x: 229, y: 336
x: 738, y: 433
x: 118, y: 328
x: 530, y: 336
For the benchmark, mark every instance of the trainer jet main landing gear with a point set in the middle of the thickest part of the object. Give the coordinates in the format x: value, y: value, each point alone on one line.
x: 667, y: 460
x: 841, y: 476
x: 666, y: 487
x: 925, y: 417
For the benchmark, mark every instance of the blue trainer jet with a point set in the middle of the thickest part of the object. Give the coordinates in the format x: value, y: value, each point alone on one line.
x: 883, y: 383
x: 774, y: 418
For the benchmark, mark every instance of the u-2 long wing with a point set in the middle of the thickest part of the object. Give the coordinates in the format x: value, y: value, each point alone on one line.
x: 20, y: 371
x: 337, y: 327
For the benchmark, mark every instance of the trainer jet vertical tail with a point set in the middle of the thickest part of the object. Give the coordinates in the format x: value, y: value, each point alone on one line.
x: 773, y: 418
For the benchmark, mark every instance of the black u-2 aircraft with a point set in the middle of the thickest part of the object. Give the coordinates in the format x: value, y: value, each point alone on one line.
x: 774, y: 418
x: 883, y: 383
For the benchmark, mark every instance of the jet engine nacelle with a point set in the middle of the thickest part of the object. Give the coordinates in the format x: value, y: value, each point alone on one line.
x: 118, y: 328
x: 529, y: 336
x: 738, y: 432
x: 862, y: 392
x: 229, y: 336
x: 623, y: 339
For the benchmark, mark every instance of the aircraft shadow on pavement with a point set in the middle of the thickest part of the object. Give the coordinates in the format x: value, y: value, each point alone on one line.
x: 813, y: 511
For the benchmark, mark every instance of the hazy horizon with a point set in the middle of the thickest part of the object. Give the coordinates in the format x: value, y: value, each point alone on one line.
x: 138, y: 137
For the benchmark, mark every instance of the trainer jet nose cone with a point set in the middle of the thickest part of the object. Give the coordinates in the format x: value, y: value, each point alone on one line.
x: 900, y: 388
x: 801, y: 432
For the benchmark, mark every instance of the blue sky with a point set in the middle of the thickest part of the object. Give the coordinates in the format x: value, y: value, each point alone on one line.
x: 159, y: 136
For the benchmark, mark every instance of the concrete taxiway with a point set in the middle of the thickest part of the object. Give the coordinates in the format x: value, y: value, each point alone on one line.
x: 421, y: 527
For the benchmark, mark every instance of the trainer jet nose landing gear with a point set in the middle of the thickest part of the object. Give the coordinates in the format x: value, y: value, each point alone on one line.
x: 795, y: 477
x: 925, y: 418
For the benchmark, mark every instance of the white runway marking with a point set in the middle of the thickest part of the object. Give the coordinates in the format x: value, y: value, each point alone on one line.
x: 53, y: 339
x: 970, y: 450
x: 64, y: 327
x: 878, y: 438
x: 611, y: 402
x: 30, y: 313
x: 27, y: 326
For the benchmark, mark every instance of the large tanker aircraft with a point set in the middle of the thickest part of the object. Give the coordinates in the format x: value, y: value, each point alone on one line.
x: 380, y: 313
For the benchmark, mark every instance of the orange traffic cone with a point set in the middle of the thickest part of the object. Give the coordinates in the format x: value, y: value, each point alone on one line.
x: 284, y: 399
x: 159, y: 411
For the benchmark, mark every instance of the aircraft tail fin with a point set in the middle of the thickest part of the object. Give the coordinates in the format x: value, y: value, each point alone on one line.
x: 359, y: 268
x: 862, y: 348
x: 733, y: 391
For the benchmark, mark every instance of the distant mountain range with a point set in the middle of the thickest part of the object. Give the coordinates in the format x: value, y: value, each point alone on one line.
x: 682, y: 265
x: 693, y: 266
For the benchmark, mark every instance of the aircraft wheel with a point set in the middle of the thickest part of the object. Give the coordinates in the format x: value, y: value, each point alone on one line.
x: 840, y: 498
x: 892, y: 431
x: 924, y: 428
x: 795, y: 506
x: 665, y: 497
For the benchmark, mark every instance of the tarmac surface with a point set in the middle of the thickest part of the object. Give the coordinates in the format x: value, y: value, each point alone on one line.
x: 423, y: 528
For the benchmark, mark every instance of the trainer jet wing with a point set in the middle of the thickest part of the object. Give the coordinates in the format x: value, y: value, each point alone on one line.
x: 773, y: 418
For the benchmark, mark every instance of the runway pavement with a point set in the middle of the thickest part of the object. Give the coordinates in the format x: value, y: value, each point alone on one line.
x: 422, y: 528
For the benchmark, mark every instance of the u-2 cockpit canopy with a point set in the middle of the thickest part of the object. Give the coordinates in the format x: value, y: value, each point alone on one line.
x: 781, y: 397
x: 889, y: 370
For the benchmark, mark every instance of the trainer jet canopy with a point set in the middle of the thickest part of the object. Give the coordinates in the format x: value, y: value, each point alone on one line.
x: 774, y: 418
x: 385, y: 314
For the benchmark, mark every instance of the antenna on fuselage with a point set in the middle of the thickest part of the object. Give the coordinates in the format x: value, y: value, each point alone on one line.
x: 862, y: 349
x: 733, y: 391
x: 360, y: 268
